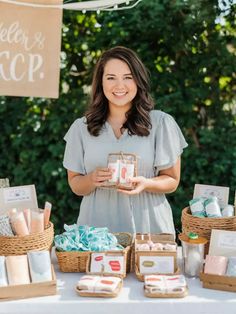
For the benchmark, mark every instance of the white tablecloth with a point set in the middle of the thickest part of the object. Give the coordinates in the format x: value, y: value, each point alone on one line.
x: 130, y: 300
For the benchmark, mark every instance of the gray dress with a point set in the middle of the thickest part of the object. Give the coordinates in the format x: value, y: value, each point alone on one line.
x: 145, y: 212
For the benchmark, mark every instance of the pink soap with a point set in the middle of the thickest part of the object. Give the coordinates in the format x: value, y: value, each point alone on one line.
x: 215, y: 265
x: 37, y: 221
x: 143, y: 247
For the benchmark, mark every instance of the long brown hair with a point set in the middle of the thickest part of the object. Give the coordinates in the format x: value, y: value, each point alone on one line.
x: 138, y: 119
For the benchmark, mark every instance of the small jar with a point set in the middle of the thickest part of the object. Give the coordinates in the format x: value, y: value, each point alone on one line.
x: 193, y: 253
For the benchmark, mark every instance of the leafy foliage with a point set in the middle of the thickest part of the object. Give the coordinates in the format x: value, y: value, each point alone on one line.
x: 192, y: 64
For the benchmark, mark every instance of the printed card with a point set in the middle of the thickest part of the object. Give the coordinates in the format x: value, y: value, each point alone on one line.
x: 97, y: 262
x: 19, y: 197
x: 114, y: 264
x: 222, y: 243
x: 100, y: 262
x: 221, y: 192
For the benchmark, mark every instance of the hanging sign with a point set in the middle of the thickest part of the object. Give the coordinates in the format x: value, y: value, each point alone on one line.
x: 30, y: 43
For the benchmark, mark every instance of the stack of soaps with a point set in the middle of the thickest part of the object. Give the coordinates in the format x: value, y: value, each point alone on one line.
x: 165, y: 286
x: 99, y: 286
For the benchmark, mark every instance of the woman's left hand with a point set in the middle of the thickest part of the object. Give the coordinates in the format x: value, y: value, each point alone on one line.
x: 140, y: 185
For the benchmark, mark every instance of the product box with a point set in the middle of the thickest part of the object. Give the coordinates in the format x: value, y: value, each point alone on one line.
x: 216, y: 282
x: 222, y: 243
x: 29, y: 290
x: 110, y: 263
x: 156, y: 261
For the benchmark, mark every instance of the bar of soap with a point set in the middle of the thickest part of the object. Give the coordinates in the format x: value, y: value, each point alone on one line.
x: 216, y: 265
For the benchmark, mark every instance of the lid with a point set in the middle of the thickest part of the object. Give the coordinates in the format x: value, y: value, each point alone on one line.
x: 192, y: 238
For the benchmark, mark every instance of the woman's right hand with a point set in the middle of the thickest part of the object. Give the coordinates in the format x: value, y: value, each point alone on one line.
x: 100, y: 175
x: 85, y: 184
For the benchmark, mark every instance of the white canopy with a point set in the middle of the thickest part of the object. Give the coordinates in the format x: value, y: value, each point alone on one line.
x: 107, y: 5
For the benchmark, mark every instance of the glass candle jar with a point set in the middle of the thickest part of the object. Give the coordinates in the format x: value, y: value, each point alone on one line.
x: 123, y: 167
x: 192, y: 253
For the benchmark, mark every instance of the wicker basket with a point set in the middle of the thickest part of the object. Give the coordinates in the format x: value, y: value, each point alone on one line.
x: 19, y: 245
x: 76, y: 261
x: 203, y: 226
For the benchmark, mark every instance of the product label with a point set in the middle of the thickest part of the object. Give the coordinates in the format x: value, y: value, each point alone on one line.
x: 114, y: 167
x: 126, y: 172
x: 156, y: 264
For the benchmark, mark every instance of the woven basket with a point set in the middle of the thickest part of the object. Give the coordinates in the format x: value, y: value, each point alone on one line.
x: 76, y: 261
x: 203, y: 226
x: 19, y: 245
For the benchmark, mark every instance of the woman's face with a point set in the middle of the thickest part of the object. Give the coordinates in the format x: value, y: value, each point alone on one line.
x: 118, y: 83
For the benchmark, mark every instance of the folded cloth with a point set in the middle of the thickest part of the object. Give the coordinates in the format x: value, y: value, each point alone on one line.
x: 197, y: 207
x: 98, y: 284
x: 3, y: 272
x: 40, y: 266
x: 17, y: 270
x: 165, y: 284
x: 231, y: 268
x: 5, y: 226
x: 85, y: 238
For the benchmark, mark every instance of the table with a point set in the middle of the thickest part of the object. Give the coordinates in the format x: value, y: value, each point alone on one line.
x: 130, y: 300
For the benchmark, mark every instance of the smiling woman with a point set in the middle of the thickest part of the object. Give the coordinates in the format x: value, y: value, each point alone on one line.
x: 121, y: 118
x: 119, y: 87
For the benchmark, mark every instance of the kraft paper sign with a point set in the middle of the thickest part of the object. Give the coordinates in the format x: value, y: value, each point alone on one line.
x: 19, y: 197
x: 30, y: 43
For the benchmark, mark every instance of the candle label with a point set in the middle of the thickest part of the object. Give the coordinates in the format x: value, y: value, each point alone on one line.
x: 114, y: 167
x: 126, y: 172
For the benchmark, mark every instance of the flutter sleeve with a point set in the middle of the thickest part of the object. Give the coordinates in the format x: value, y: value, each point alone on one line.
x: 74, y: 150
x: 170, y: 143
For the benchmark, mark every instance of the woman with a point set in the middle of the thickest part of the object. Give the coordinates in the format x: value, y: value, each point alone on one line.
x: 121, y: 118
